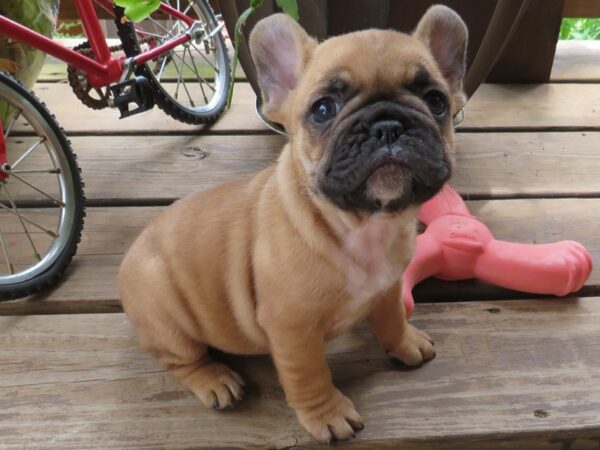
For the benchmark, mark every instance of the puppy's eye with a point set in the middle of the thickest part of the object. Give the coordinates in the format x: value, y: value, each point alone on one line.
x: 436, y: 102
x: 323, y: 110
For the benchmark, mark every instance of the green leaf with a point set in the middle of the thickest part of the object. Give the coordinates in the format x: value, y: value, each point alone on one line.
x: 580, y: 28
x: 236, y: 45
x: 138, y: 10
x: 290, y: 7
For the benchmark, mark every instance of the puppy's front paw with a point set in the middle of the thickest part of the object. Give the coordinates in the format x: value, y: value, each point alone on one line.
x: 413, y: 348
x: 334, y: 420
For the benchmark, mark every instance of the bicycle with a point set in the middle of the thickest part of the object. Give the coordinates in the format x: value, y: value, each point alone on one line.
x: 175, y: 59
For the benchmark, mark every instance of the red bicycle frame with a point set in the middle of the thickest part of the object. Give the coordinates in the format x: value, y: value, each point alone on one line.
x: 104, y: 69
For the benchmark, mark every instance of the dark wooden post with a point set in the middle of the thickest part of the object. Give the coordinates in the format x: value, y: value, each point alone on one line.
x: 530, y: 52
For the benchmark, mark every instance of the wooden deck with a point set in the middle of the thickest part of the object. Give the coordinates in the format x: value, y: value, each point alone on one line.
x: 512, y: 371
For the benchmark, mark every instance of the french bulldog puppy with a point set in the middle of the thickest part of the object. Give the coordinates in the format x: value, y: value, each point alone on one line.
x: 315, y: 243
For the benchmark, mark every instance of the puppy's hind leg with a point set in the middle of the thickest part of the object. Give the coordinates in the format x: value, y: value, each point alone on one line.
x: 215, y: 384
x: 187, y: 358
x: 176, y: 341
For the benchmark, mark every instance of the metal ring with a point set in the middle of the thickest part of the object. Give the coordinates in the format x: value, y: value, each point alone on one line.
x: 276, y: 127
x: 459, y: 118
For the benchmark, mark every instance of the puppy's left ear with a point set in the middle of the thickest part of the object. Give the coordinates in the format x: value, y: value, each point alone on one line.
x: 445, y: 33
x: 280, y: 49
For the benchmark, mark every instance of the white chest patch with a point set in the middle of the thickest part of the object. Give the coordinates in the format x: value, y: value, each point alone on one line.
x: 369, y: 270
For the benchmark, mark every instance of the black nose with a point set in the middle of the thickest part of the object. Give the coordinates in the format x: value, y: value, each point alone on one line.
x: 387, y: 131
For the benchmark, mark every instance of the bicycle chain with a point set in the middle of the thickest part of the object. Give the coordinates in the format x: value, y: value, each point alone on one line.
x: 78, y: 79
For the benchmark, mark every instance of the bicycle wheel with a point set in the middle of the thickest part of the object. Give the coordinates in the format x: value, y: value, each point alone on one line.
x: 41, y: 194
x: 191, y: 81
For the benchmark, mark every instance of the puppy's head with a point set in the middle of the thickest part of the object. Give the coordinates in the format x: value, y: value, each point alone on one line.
x: 369, y: 114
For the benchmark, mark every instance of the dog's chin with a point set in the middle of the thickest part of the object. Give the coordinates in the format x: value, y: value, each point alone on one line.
x: 390, y: 188
x: 389, y: 185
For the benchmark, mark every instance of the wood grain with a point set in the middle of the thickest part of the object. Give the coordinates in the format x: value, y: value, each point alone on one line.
x: 577, y: 61
x: 82, y: 382
x: 89, y: 284
x: 162, y: 168
x: 493, y: 107
x: 533, y: 106
x: 76, y: 118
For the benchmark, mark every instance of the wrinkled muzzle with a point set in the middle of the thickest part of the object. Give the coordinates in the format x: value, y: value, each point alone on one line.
x: 384, y: 157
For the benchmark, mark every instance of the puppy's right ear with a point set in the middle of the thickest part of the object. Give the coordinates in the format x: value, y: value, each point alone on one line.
x: 280, y: 49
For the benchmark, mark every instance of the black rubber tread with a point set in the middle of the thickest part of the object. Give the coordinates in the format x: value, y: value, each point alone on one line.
x: 131, y: 47
x: 55, y: 272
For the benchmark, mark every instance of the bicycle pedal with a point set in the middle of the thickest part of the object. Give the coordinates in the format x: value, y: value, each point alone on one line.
x: 136, y: 91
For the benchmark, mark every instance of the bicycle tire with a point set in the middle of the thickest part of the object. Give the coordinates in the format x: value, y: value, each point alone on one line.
x: 54, y: 268
x: 162, y: 98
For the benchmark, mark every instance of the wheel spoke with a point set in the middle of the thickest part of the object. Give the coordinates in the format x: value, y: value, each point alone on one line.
x: 37, y: 171
x: 11, y: 268
x: 162, y: 68
x: 202, y: 78
x: 145, y: 34
x: 183, y: 82
x: 197, y: 74
x: 16, y: 210
x: 8, y: 129
x: 205, y: 58
x: 28, y: 152
x: 35, y: 188
x: 178, y: 74
x: 188, y: 94
x: 29, y: 221
x: 160, y: 26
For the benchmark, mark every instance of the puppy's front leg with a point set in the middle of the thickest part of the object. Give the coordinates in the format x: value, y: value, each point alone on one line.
x: 299, y: 356
x: 401, y: 340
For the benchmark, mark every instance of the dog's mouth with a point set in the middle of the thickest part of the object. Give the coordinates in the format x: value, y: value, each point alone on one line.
x: 371, y: 170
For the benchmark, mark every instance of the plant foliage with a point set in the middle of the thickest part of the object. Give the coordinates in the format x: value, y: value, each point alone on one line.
x: 580, y: 29
x: 290, y: 7
x: 138, y: 10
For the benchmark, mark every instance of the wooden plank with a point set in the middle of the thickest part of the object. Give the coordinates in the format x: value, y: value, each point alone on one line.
x: 581, y: 8
x: 89, y: 284
x: 493, y: 107
x: 499, y: 379
x: 159, y: 169
x: 577, y: 61
x: 76, y: 118
x: 166, y: 168
x: 533, y: 106
x: 527, y: 164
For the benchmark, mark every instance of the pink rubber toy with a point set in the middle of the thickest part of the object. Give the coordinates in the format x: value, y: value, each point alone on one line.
x: 457, y: 246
